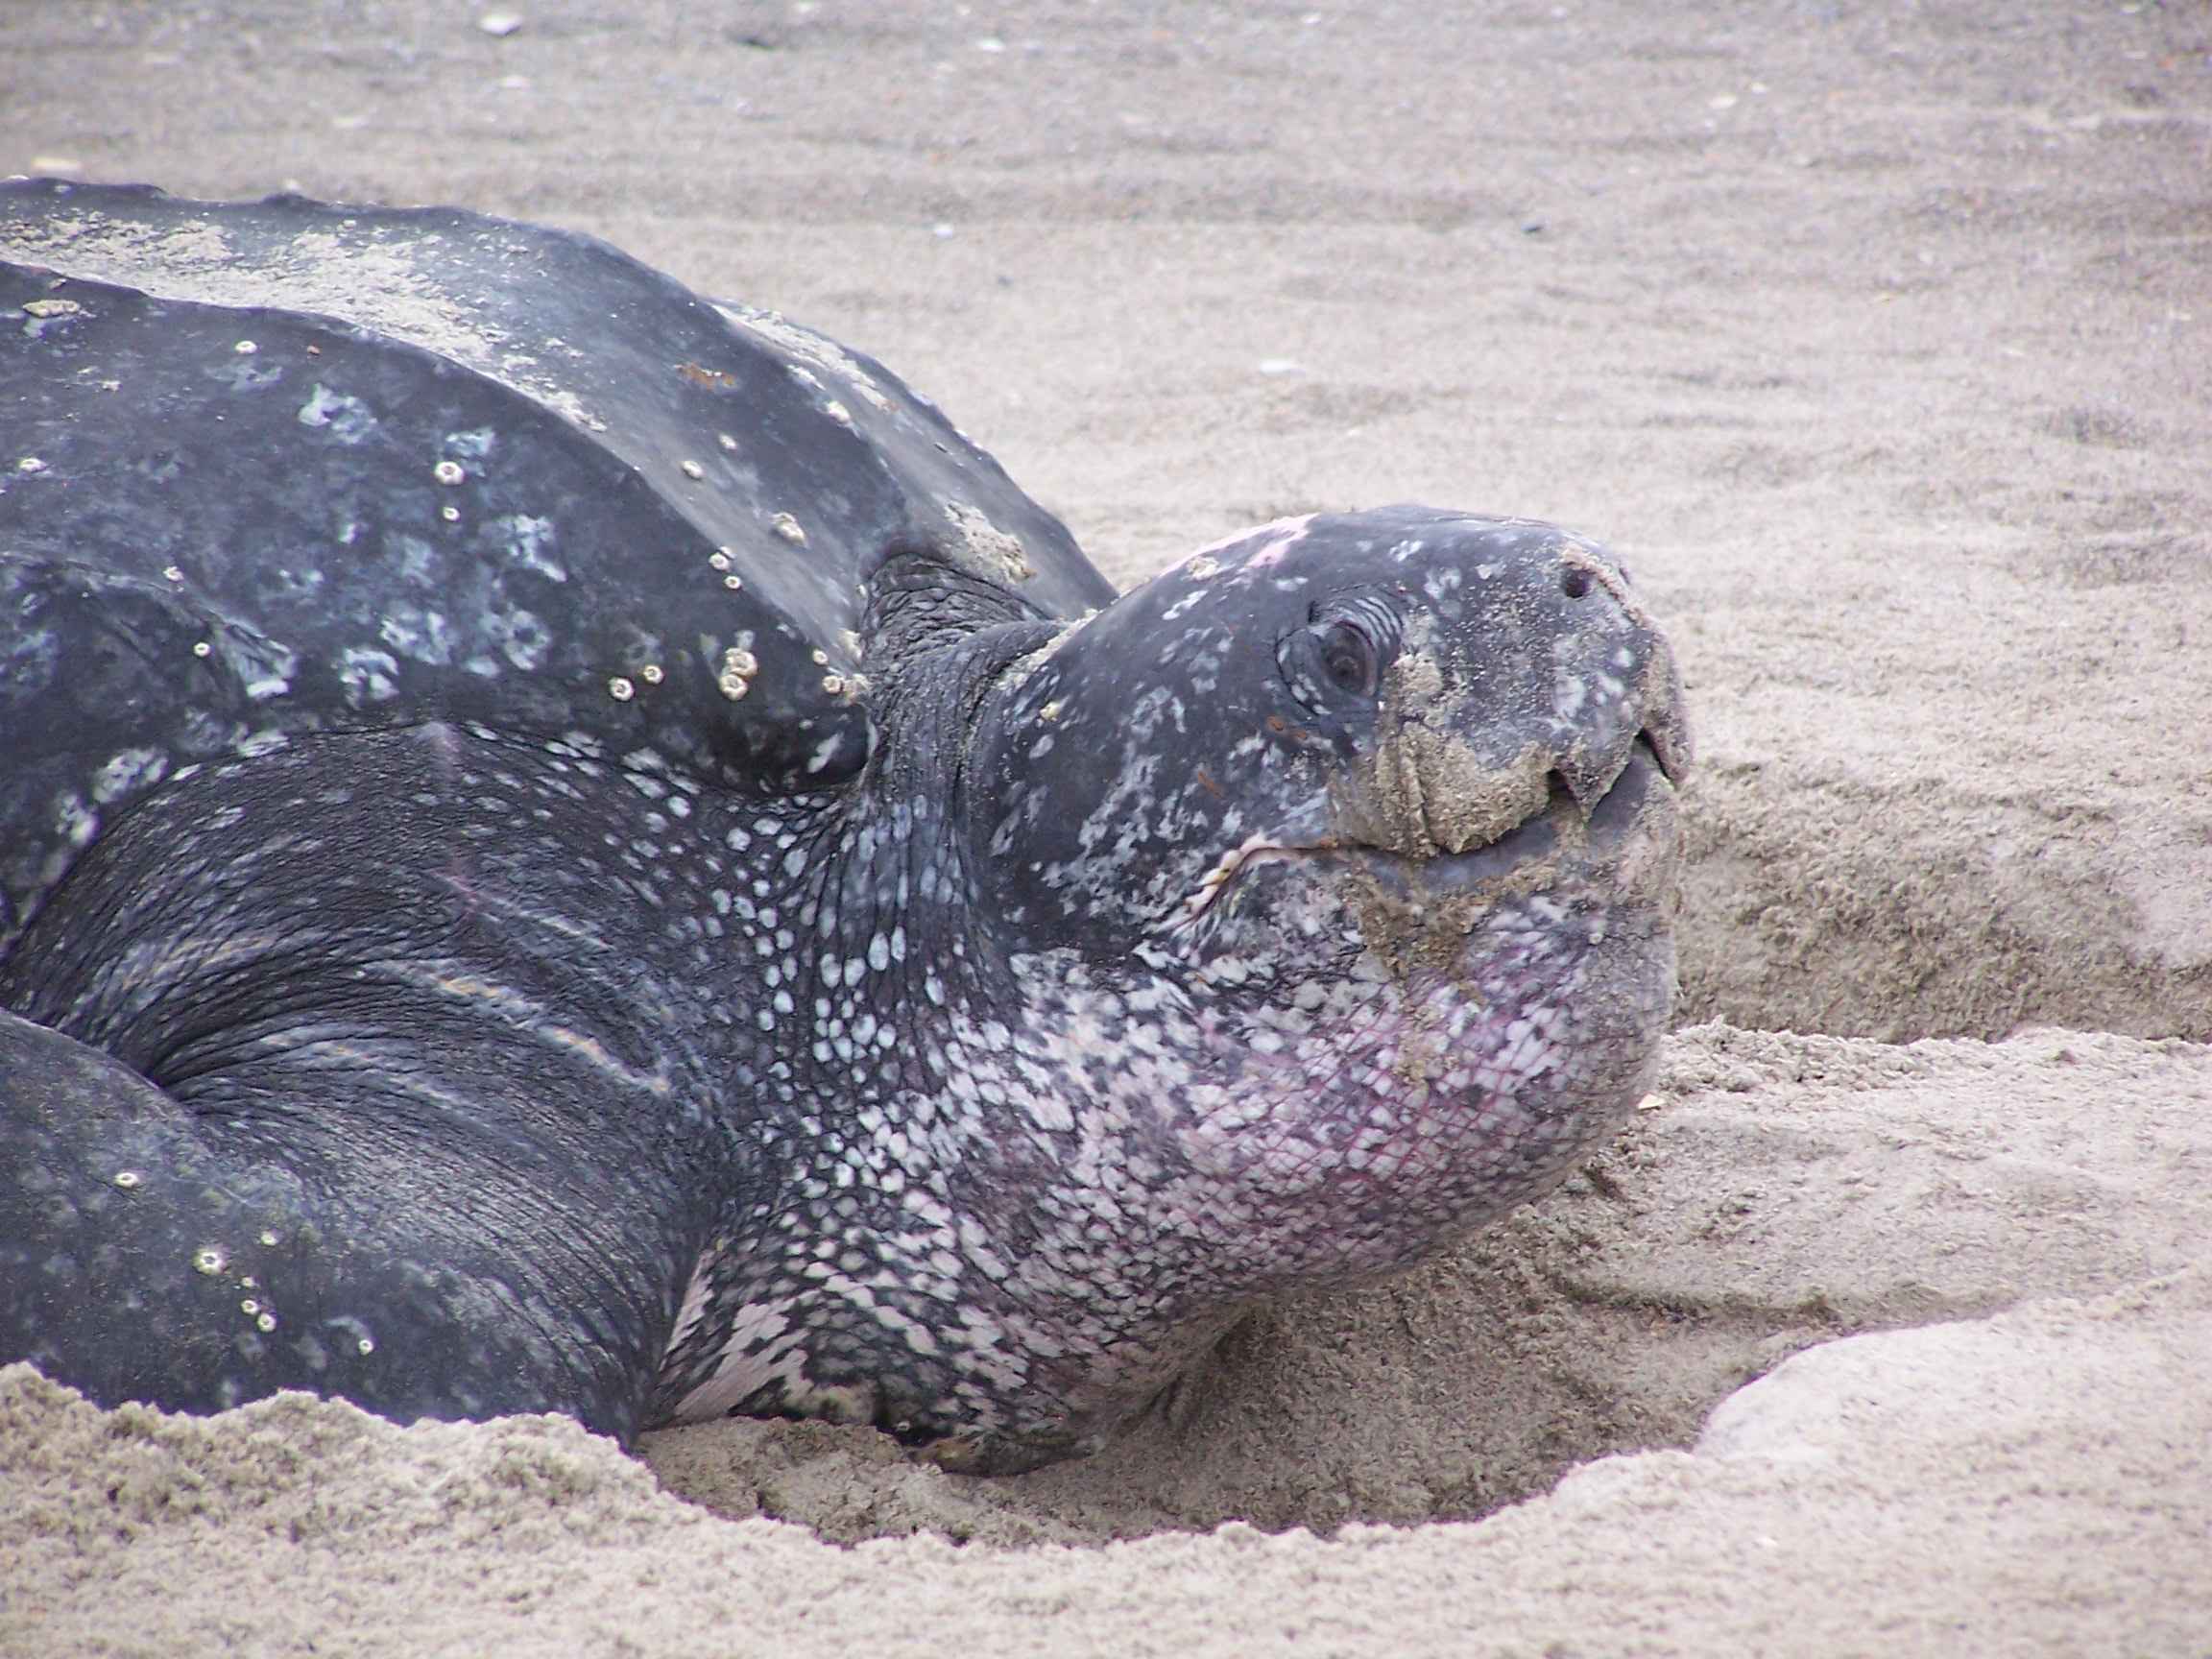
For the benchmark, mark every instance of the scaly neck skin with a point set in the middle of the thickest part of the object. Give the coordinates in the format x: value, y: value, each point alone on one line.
x: 854, y: 958
x: 1174, y: 1028
x: 958, y: 1238
x: 1021, y: 1184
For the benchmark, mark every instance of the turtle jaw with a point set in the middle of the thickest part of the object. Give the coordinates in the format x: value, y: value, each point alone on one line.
x: 1622, y: 848
x: 1433, y: 1040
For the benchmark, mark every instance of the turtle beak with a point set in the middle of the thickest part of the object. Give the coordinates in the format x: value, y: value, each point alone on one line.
x: 1539, y: 696
x: 1622, y: 849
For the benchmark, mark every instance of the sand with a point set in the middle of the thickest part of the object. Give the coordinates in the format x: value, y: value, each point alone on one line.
x: 1878, y: 340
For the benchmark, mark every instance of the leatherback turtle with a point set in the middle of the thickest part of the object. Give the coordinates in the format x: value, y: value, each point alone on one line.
x: 568, y: 847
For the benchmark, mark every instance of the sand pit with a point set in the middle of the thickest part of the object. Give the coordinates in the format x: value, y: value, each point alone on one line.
x: 1878, y: 342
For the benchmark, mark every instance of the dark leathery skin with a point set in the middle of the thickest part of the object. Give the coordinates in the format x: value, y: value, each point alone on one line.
x: 394, y: 464
x: 499, y: 1043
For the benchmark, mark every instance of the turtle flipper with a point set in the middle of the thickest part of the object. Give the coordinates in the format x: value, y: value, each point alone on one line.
x: 300, y: 1090
x: 138, y: 1262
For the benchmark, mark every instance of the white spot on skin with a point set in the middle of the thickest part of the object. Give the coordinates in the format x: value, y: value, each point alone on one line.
x: 524, y: 639
x: 787, y: 527
x: 367, y: 675
x: 527, y: 541
x: 264, y: 666
x: 693, y: 471
x: 449, y: 472
x: 414, y: 631
x: 127, y: 1179
x: 127, y: 772
x: 346, y: 419
x: 619, y: 688
x: 1276, y: 551
x: 1201, y: 564
x: 1176, y: 609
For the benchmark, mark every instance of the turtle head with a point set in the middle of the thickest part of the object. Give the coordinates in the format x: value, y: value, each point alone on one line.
x: 1418, y: 705
x: 1334, y: 868
x: 1284, y: 919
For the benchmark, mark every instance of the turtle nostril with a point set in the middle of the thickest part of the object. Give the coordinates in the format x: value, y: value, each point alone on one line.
x: 1573, y: 581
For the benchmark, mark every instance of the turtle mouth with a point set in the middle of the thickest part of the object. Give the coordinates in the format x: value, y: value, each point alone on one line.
x: 1600, y: 846
x: 1607, y: 844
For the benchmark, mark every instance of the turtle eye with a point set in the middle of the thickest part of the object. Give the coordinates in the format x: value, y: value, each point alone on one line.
x: 1333, y: 661
x: 1348, y: 657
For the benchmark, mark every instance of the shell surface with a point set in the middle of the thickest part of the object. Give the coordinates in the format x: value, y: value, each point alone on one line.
x: 281, y: 466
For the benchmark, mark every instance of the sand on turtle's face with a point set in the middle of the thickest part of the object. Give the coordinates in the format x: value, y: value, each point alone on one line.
x: 1875, y: 345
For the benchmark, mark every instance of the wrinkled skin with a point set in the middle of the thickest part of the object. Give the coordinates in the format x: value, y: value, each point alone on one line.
x: 999, y: 1082
x: 1210, y: 1033
x: 849, y: 982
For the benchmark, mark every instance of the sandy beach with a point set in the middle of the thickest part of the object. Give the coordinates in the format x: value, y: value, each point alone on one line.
x: 1877, y: 340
